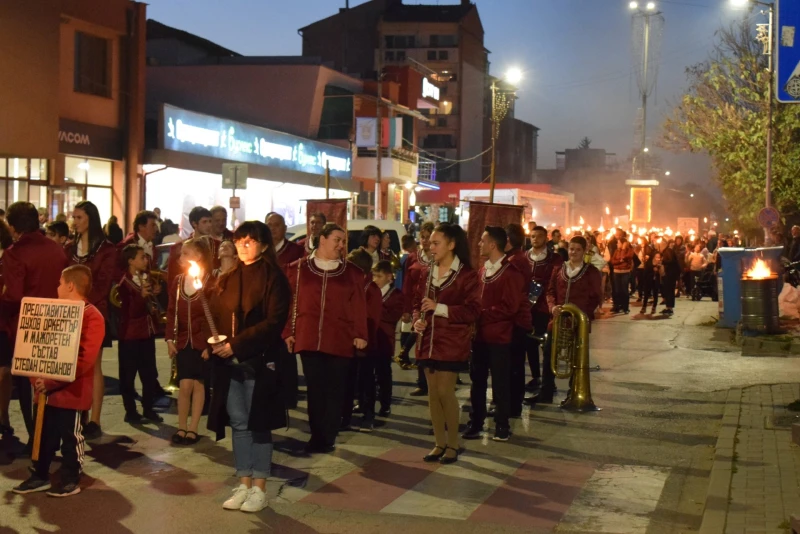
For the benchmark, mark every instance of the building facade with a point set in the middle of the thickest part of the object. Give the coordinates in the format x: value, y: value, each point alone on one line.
x: 445, y: 42
x: 72, y: 121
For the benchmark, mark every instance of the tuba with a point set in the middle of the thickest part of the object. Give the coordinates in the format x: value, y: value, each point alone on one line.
x: 570, y: 356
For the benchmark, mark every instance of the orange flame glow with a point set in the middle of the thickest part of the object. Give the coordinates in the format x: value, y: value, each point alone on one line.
x: 759, y: 271
x: 194, y: 272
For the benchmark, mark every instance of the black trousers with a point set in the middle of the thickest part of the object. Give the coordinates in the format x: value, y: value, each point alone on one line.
x: 61, y: 426
x: 486, y: 358
x: 520, y: 343
x: 652, y: 287
x: 668, y: 284
x: 620, y: 293
x: 408, y: 342
x: 25, y: 397
x: 137, y: 356
x: 326, y: 381
x: 540, y: 322
x: 361, y: 385
x: 383, y: 375
x: 548, y: 378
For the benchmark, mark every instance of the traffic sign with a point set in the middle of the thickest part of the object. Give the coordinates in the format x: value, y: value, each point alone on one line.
x: 234, y: 176
x: 768, y: 217
x: 787, y: 70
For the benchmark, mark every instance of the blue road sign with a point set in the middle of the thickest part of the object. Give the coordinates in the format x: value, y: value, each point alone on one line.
x: 787, y: 70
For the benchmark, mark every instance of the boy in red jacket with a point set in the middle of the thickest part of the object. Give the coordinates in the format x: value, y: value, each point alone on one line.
x: 66, y: 400
x: 383, y: 276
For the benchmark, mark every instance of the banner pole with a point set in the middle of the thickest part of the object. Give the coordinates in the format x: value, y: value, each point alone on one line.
x: 37, y: 433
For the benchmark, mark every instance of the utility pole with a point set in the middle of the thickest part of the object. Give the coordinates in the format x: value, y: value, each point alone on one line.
x: 379, y: 113
x: 492, y: 178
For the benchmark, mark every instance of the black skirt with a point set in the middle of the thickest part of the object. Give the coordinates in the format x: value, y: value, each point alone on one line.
x: 191, y: 365
x: 439, y: 365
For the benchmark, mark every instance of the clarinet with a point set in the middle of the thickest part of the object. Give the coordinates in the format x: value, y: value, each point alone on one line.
x: 427, y: 292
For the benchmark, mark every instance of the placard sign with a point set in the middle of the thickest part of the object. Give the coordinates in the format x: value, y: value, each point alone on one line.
x: 48, y: 339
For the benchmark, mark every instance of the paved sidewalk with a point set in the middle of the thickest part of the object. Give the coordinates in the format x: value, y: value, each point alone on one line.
x: 755, y: 481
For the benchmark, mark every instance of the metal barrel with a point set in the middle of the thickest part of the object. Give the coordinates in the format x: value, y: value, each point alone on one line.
x: 760, y: 305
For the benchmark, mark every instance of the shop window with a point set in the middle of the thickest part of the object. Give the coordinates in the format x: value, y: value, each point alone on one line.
x: 38, y: 169
x: 99, y: 172
x: 92, y: 65
x: 3, y: 173
x: 37, y: 195
x: 75, y: 170
x: 17, y: 191
x: 17, y: 168
x: 100, y: 197
x: 444, y: 55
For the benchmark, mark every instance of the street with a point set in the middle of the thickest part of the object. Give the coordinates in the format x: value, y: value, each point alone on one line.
x: 642, y: 464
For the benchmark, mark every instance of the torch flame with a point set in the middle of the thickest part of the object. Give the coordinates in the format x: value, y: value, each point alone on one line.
x: 194, y: 272
x: 601, y: 229
x: 581, y: 221
x: 608, y: 211
x: 616, y: 220
x: 759, y: 271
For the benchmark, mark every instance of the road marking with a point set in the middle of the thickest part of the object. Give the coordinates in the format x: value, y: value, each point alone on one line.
x: 618, y: 499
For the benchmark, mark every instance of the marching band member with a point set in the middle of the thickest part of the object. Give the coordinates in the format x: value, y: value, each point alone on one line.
x: 219, y: 224
x: 185, y: 340
x: 315, y: 224
x: 416, y: 263
x: 6, y: 351
x: 200, y: 219
x: 91, y: 248
x: 137, y: 342
x: 543, y: 263
x: 145, y: 230
x: 287, y: 251
x: 578, y: 283
x: 392, y: 310
x: 446, y: 308
x: 362, y: 368
x: 501, y: 291
x: 250, y: 307
x: 370, y: 241
x: 522, y: 325
x: 328, y: 298
x: 32, y: 267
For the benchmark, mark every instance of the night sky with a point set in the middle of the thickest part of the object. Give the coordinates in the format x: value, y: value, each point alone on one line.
x: 576, y: 55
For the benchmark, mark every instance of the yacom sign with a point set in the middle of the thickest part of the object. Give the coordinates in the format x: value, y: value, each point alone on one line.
x: 90, y: 140
x: 196, y: 133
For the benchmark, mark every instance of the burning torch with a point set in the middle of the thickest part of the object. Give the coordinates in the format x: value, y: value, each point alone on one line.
x: 194, y: 273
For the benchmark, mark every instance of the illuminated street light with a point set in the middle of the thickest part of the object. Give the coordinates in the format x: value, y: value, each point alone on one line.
x: 634, y: 5
x: 645, y: 149
x: 740, y: 3
x: 514, y: 76
x: 501, y: 104
x: 667, y: 173
x: 692, y: 195
x: 651, y: 6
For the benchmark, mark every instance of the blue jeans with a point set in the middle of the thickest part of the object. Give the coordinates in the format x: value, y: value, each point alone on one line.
x: 252, y: 451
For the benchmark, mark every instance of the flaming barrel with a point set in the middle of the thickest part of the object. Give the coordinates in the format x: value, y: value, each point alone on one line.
x: 760, y: 299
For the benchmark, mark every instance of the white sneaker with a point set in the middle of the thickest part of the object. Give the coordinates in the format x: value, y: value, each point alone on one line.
x: 256, y: 501
x: 238, y: 498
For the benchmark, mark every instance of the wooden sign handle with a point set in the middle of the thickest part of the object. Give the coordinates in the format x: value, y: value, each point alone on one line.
x: 37, y: 434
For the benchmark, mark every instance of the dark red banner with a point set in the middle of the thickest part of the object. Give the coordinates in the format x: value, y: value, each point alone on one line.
x: 483, y: 214
x: 335, y: 210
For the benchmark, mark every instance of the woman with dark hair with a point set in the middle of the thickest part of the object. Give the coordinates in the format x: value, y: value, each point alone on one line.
x: 680, y: 255
x: 250, y: 307
x: 93, y: 249
x: 672, y: 272
x: 385, y: 250
x: 328, y: 324
x: 184, y: 336
x: 446, y: 308
x: 6, y: 352
x: 113, y: 230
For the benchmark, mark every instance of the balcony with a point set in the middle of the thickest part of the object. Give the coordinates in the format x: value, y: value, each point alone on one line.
x: 396, y: 164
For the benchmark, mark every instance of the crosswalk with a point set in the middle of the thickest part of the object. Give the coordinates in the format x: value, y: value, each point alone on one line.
x: 534, y: 493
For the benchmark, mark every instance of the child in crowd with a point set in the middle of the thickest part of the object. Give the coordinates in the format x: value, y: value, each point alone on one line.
x: 392, y: 311
x: 653, y: 273
x: 137, y: 342
x: 59, y: 232
x: 66, y: 400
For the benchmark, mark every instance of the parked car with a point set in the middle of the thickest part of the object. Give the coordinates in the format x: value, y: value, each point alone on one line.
x: 396, y: 231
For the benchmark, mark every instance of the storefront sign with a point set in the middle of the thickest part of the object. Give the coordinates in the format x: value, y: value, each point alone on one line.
x: 90, y: 140
x: 195, y: 133
x: 429, y: 90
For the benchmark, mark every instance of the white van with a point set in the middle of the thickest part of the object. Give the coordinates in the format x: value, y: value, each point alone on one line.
x: 354, y: 227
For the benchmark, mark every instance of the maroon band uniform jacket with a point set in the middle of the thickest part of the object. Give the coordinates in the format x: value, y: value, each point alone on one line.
x: 185, y: 315
x: 541, y: 272
x: 372, y: 293
x: 519, y: 259
x: 414, y: 267
x: 103, y: 264
x: 391, y: 312
x: 135, y: 321
x: 584, y: 290
x: 501, y: 294
x: 329, y: 308
x: 289, y: 253
x: 174, y: 265
x: 449, y: 338
x: 31, y: 268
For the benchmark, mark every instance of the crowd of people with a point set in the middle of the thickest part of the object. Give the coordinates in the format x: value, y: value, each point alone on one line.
x: 241, y: 305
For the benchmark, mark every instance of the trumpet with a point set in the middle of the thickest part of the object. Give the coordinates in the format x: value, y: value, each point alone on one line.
x: 154, y: 306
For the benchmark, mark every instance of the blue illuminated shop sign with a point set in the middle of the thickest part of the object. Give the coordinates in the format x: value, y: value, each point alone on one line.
x: 195, y: 133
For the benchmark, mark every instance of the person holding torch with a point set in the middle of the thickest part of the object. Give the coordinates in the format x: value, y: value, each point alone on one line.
x: 246, y: 316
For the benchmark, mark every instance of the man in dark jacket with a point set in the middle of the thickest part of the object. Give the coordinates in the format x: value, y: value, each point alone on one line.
x: 794, y: 245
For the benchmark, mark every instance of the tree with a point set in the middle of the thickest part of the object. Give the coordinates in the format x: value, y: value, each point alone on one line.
x: 584, y: 144
x: 724, y: 113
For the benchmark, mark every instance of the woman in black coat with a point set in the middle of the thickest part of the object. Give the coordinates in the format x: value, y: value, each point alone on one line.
x: 672, y: 271
x: 250, y: 307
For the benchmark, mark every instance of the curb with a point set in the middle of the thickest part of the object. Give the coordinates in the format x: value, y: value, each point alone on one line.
x: 719, y: 485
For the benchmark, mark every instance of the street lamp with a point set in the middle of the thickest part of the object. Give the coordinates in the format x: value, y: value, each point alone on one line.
x: 501, y: 104
x: 766, y: 39
x: 667, y: 173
